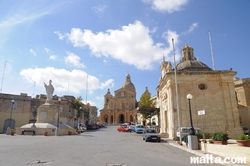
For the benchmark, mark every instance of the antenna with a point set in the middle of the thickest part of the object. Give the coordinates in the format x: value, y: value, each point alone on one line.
x: 86, y: 89
x: 34, y: 88
x: 68, y: 88
x: 212, y: 53
x: 3, y: 76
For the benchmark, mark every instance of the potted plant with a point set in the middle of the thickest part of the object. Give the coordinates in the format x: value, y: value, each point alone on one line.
x: 208, y: 137
x: 12, y: 132
x: 69, y: 132
x: 243, y: 140
x: 79, y: 131
x: 199, y: 136
x: 45, y: 133
x: 220, y: 138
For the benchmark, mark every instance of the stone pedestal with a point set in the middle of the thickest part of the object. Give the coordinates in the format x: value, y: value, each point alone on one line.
x: 47, y: 113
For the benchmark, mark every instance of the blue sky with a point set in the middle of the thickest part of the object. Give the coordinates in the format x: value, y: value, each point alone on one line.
x: 93, y: 44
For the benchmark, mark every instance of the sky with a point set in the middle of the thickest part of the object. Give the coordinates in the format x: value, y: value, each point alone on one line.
x: 88, y: 46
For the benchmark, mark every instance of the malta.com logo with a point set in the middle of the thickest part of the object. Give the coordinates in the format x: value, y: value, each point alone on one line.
x: 210, y: 159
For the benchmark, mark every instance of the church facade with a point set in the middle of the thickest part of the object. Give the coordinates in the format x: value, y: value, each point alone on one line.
x: 211, y: 90
x: 121, y: 107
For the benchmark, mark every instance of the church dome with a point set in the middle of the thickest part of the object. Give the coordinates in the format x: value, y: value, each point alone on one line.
x: 189, y: 62
x: 193, y: 65
x: 128, y: 84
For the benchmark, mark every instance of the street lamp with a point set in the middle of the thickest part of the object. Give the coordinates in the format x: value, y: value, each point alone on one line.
x: 12, y: 103
x: 80, y: 113
x: 192, y: 132
x: 58, y: 116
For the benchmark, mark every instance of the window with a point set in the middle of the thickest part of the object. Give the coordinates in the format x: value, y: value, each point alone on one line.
x: 202, y: 86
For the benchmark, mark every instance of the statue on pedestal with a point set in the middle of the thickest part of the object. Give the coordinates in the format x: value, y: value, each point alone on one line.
x: 49, y: 90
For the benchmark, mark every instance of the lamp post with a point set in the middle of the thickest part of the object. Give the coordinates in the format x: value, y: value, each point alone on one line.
x: 12, y: 103
x: 192, y: 132
x: 80, y: 113
x: 58, y: 116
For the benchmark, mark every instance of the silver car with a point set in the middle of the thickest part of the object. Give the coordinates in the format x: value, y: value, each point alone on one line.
x: 151, y: 135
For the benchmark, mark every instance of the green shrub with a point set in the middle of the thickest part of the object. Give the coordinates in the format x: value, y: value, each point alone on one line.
x: 243, y: 137
x: 207, y: 135
x: 220, y: 136
x: 199, y: 135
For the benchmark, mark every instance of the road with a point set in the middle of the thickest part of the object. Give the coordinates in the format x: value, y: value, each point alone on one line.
x: 102, y: 147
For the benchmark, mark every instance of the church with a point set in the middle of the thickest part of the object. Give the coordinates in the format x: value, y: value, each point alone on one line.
x: 121, y: 107
x: 211, y: 90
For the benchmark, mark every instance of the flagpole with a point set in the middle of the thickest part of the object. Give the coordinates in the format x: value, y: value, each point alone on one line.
x: 212, y: 52
x: 177, y: 97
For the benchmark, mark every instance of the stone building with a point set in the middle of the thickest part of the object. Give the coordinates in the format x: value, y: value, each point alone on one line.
x: 18, y: 110
x: 121, y: 107
x: 242, y: 89
x: 212, y: 91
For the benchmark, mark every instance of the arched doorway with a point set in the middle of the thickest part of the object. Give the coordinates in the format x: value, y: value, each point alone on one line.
x: 9, y: 123
x: 112, y: 120
x: 106, y: 119
x: 121, y: 118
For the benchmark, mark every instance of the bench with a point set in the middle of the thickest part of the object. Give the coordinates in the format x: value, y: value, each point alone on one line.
x: 29, y: 131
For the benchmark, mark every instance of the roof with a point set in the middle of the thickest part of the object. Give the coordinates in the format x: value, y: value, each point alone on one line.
x: 192, y: 65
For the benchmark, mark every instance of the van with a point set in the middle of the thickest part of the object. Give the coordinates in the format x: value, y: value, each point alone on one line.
x: 186, y: 130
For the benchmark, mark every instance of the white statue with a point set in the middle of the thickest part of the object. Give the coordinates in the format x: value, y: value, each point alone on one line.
x: 49, y: 90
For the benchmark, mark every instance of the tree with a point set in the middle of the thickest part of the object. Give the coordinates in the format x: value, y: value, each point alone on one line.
x: 146, y: 102
x: 86, y: 112
x: 78, y: 106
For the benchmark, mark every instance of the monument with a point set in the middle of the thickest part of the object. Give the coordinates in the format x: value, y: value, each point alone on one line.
x: 48, y: 117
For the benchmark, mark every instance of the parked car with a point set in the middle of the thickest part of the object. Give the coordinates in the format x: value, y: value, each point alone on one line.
x: 132, y: 128
x: 81, y: 126
x: 245, y: 130
x: 151, y: 135
x: 122, y: 128
x: 185, y: 131
x: 139, y: 128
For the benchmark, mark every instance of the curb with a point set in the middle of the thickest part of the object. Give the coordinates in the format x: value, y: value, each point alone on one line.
x: 202, y: 153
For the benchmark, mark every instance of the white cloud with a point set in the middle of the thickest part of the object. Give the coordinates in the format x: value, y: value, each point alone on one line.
x: 71, y: 81
x: 191, y: 28
x: 52, y: 57
x: 74, y: 59
x: 61, y: 36
x: 100, y: 9
x: 132, y: 44
x: 46, y: 50
x: 32, y: 52
x: 167, y: 5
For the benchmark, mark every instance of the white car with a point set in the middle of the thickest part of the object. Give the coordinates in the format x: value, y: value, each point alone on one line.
x: 82, y: 127
x: 185, y: 131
